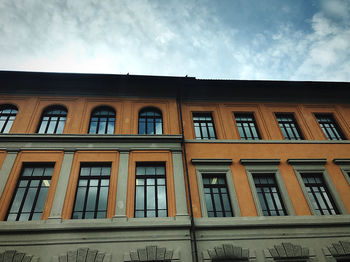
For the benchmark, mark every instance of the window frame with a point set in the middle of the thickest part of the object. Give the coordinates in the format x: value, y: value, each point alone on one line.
x: 155, y: 110
x: 44, y: 114
x: 219, y: 187
x: 101, y: 108
x: 8, y: 115
x: 156, y: 209
x: 255, y: 167
x: 338, y: 128
x: 91, y: 165
x: 257, y: 129
x: 295, y: 121
x: 37, y: 192
x: 316, y: 166
x: 213, y: 122
x: 216, y: 166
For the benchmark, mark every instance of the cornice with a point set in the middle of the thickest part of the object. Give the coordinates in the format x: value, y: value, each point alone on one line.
x: 247, y: 161
x: 316, y: 161
x: 342, y: 161
x: 213, y: 161
x: 88, y: 138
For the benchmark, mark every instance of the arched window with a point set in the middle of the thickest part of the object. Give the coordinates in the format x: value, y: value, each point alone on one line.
x: 102, y: 121
x: 7, y: 116
x: 53, y: 120
x: 150, y: 121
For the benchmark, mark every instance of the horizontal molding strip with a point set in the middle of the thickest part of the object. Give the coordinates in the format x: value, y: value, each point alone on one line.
x: 11, y: 227
x: 342, y: 161
x: 297, y: 161
x: 237, y: 141
x: 67, y: 142
x: 207, y: 161
x: 249, y: 161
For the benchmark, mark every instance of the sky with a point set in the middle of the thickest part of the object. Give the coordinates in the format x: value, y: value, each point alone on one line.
x: 207, y: 39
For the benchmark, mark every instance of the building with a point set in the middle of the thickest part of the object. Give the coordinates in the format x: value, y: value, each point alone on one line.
x: 147, y: 168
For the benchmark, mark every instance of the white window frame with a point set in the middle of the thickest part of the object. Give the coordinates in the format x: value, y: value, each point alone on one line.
x: 263, y: 166
x: 316, y: 166
x: 216, y: 166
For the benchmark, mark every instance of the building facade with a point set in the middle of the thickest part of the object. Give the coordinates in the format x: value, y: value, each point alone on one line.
x: 145, y: 168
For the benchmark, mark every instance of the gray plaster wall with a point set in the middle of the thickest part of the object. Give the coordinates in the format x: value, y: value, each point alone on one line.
x: 47, y: 240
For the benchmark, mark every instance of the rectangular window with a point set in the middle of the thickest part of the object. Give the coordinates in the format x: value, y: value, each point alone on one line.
x: 247, y: 127
x: 319, y: 195
x: 150, y: 193
x: 92, y: 192
x: 204, y: 126
x: 289, y: 126
x: 269, y: 195
x: 329, y: 127
x: 216, y: 195
x: 31, y: 191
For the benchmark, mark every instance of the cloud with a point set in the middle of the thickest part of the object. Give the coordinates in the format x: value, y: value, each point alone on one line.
x: 174, y: 38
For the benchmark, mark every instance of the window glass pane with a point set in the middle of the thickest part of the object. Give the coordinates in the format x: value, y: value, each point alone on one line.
x: 79, y: 199
x: 39, y: 207
x: 208, y: 200
x: 161, y: 197
x: 60, y: 126
x: 17, y: 200
x: 139, y: 202
x: 93, y: 126
x: 150, y: 197
x: 91, y: 201
x: 110, y: 129
x: 102, y: 127
x: 102, y: 202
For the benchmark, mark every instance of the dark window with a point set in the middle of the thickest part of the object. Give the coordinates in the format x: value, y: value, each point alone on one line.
x: 102, y: 121
x: 31, y: 192
x: 7, y: 116
x: 216, y: 195
x: 247, y: 127
x: 289, y: 126
x: 150, y: 122
x: 329, y: 127
x: 150, y: 190
x: 204, y: 126
x: 92, y: 192
x: 53, y: 120
x: 269, y: 195
x: 319, y: 195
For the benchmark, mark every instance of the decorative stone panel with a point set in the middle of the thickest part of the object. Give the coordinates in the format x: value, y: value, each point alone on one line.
x: 227, y: 252
x: 289, y: 252
x: 83, y: 255
x: 151, y: 253
x: 16, y: 256
x: 338, y: 250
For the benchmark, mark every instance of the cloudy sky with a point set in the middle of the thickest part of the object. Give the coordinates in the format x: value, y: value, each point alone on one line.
x: 227, y: 39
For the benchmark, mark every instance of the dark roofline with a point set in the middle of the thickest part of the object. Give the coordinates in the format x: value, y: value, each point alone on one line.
x: 48, y: 83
